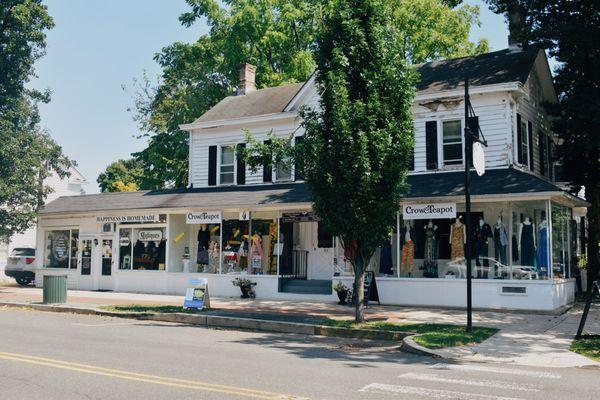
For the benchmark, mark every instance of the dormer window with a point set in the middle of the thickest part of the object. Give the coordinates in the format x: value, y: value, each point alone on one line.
x: 227, y: 165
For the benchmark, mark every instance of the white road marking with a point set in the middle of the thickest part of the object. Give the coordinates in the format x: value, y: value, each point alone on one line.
x: 482, y: 383
x: 495, y: 370
x: 431, y: 393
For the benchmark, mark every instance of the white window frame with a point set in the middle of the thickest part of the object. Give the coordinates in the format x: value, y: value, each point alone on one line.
x: 276, y: 175
x: 219, y: 165
x: 443, y: 164
x: 117, y: 246
x: 64, y: 228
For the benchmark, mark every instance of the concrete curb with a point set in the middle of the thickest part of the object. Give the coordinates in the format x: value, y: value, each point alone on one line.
x: 216, y: 321
x: 410, y: 346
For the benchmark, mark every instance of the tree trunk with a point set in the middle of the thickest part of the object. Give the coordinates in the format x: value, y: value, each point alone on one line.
x: 359, y: 284
x: 593, y: 261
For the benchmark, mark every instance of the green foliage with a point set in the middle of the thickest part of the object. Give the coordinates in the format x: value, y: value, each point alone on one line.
x: 29, y: 155
x: 276, y: 36
x: 588, y: 345
x: 122, y: 176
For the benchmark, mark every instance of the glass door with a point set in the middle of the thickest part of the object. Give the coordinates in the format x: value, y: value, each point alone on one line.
x: 86, y: 256
x: 107, y: 257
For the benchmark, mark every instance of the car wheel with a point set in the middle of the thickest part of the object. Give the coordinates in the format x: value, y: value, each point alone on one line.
x: 23, y: 281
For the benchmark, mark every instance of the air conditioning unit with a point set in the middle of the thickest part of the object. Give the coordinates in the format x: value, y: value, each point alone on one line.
x: 108, y: 228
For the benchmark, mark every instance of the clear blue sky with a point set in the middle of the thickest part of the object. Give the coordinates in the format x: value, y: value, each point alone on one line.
x: 99, y: 45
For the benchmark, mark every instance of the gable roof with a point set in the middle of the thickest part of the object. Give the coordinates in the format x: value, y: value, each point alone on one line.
x: 492, y: 68
x: 261, y: 102
x: 496, y: 67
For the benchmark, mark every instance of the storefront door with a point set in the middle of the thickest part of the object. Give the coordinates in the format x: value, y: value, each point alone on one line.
x: 104, y: 264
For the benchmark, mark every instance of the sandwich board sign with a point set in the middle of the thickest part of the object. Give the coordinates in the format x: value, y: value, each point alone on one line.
x: 196, y: 295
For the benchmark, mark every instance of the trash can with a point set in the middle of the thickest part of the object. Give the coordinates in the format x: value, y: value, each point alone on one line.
x: 55, y: 289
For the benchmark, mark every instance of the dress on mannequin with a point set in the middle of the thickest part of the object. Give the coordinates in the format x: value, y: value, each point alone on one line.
x: 457, y: 242
x: 203, y: 244
x: 430, y: 252
x: 542, y: 252
x: 483, y: 231
x: 527, y: 245
x: 500, y: 242
x: 408, y: 249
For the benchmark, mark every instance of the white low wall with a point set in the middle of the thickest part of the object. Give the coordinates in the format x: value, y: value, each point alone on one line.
x: 487, y: 294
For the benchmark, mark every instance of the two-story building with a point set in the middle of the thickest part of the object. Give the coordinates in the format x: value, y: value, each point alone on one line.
x: 234, y: 221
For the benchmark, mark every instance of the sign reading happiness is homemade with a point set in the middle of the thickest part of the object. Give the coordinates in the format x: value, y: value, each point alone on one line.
x: 429, y: 211
x: 129, y: 218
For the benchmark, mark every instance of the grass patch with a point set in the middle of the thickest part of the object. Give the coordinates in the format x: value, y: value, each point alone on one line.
x: 151, y: 308
x: 588, y: 345
x: 433, y: 336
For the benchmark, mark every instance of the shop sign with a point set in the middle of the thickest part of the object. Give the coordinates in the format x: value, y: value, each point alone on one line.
x: 429, y: 211
x: 196, y: 295
x: 129, y: 218
x: 244, y: 215
x: 154, y: 235
x: 204, y: 217
x: 124, y: 241
x: 301, y: 216
x: 479, y: 158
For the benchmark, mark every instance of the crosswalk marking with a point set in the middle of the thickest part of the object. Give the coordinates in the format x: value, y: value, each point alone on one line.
x: 495, y: 370
x: 431, y: 393
x: 483, y: 383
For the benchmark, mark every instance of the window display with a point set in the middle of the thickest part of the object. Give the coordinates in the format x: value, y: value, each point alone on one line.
x: 561, y: 256
x: 263, y: 254
x: 61, y: 249
x: 235, y: 244
x: 500, y: 241
x: 142, y: 248
x: 208, y: 248
x: 408, y: 237
x: 430, y: 251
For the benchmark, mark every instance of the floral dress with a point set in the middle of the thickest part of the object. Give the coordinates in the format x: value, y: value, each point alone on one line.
x: 458, y: 244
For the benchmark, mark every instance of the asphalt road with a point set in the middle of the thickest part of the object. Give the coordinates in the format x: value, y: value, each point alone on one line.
x: 59, y: 356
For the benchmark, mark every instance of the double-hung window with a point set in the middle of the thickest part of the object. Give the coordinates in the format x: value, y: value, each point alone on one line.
x: 452, y: 142
x: 283, y: 170
x: 227, y: 165
x: 524, y: 143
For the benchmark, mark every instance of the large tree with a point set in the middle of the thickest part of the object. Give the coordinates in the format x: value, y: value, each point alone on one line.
x: 358, y: 143
x: 29, y: 155
x: 276, y: 36
x: 122, y: 176
x: 570, y: 31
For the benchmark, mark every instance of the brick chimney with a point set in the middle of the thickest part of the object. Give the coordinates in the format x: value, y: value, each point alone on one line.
x: 247, y: 82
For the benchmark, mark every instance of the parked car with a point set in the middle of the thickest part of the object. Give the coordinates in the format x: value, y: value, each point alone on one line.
x: 20, y: 265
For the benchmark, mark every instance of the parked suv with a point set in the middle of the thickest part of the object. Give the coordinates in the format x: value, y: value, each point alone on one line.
x: 20, y: 265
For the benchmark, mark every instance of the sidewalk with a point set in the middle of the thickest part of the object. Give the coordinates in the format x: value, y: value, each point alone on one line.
x: 526, y: 339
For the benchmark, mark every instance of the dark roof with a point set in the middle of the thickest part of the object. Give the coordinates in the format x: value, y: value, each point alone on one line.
x: 495, y: 181
x: 486, y: 69
x: 261, y: 102
x: 221, y: 197
x: 498, y: 182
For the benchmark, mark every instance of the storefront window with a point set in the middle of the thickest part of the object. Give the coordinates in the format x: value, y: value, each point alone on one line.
x: 561, y: 217
x: 207, y: 247
x: 146, y: 248
x: 86, y: 256
x: 61, y: 249
x: 263, y: 243
x: 530, y: 240
x: 236, y: 234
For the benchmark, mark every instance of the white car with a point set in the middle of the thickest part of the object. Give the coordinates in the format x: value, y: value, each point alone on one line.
x: 20, y: 265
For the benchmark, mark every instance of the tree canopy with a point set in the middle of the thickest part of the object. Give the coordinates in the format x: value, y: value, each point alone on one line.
x: 276, y: 36
x: 29, y: 155
x: 122, y: 176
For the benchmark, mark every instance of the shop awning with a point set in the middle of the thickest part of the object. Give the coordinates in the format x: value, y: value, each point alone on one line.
x: 500, y: 182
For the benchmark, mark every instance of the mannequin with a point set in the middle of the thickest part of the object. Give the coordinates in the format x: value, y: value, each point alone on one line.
x: 542, y: 251
x: 431, y: 251
x: 408, y: 236
x: 256, y: 252
x: 527, y: 242
x: 483, y: 231
x: 500, y: 241
x: 203, y: 244
x: 458, y: 238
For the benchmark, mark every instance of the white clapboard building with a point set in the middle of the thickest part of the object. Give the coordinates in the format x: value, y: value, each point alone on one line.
x: 234, y: 222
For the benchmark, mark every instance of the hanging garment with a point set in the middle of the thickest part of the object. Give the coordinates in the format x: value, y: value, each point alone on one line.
x: 256, y: 253
x: 500, y: 243
x: 385, y: 258
x: 408, y: 257
x: 203, y: 239
x: 542, y: 252
x: 482, y: 233
x: 527, y: 246
x: 515, y: 249
x: 457, y: 242
x: 430, y: 253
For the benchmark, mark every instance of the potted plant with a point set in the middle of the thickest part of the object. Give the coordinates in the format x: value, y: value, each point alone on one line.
x: 245, y: 286
x: 342, y: 292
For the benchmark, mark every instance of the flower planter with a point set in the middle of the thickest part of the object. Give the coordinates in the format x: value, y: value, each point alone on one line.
x: 342, y: 295
x: 245, y: 291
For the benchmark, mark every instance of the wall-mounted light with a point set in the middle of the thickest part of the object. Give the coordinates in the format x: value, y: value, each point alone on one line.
x: 95, y: 242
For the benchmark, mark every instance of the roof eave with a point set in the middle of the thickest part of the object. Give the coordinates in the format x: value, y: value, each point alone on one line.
x: 239, y: 121
x: 460, y: 91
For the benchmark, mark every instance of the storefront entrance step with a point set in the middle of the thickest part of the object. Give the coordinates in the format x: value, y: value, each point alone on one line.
x: 300, y: 286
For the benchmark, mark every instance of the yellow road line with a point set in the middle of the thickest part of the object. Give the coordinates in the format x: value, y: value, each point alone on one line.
x: 159, y: 380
